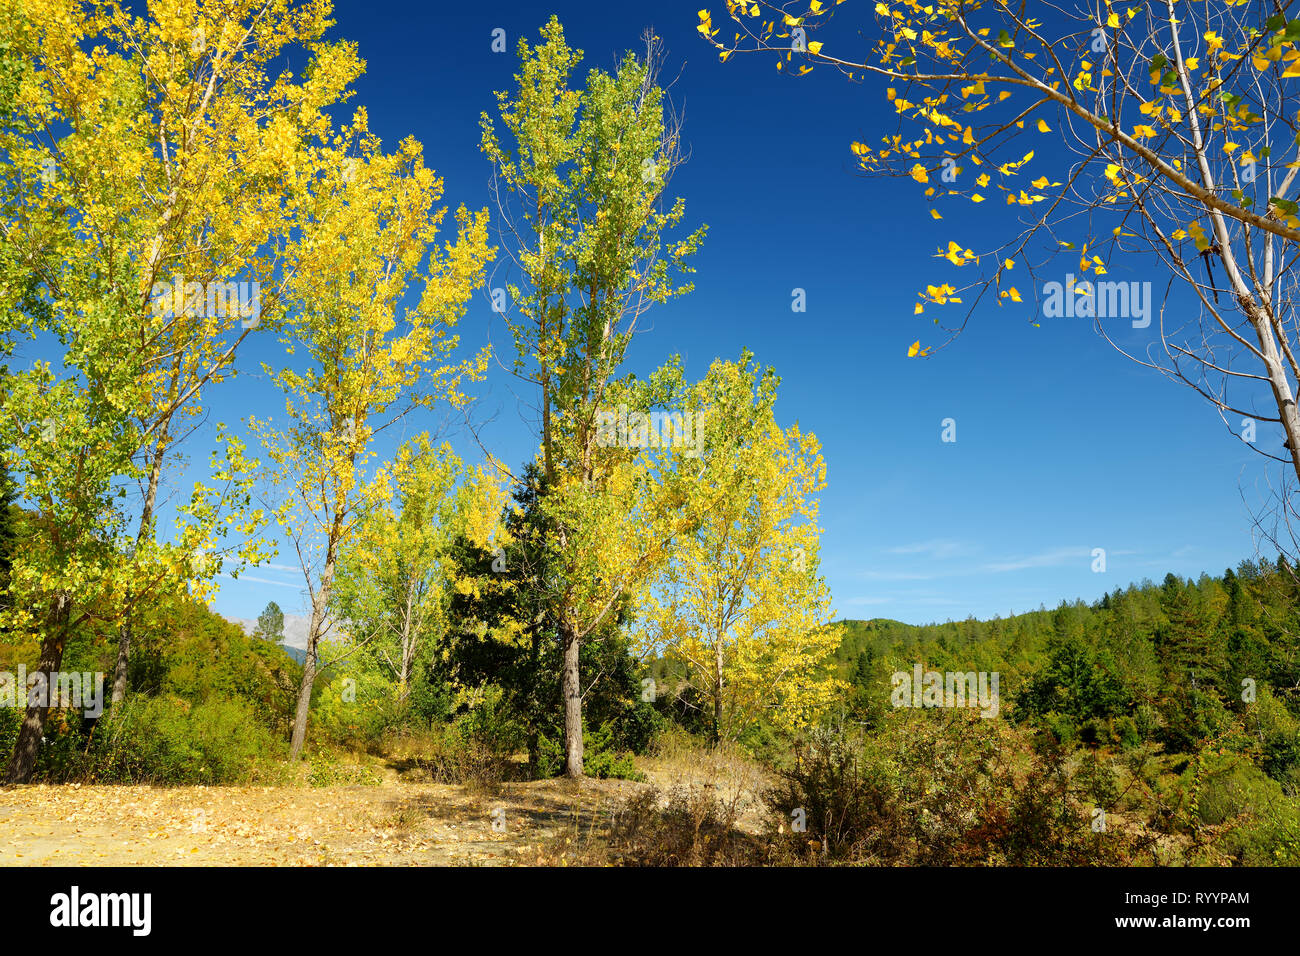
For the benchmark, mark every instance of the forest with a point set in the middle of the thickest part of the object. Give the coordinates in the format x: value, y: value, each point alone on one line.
x: 636, y: 612
x: 1157, y: 726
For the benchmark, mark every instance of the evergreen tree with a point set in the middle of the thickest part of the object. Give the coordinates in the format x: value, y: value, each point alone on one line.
x: 270, y: 623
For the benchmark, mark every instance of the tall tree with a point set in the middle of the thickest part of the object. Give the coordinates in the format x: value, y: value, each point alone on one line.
x: 740, y: 601
x: 142, y: 155
x: 270, y: 623
x: 580, y: 187
x: 373, y: 355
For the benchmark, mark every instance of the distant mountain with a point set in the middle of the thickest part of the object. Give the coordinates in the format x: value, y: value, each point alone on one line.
x: 299, y: 654
x: 295, y: 633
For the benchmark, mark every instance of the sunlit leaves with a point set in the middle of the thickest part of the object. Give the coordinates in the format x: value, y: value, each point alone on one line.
x: 740, y: 601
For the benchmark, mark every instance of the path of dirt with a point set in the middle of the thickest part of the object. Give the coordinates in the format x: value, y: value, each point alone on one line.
x: 393, y: 824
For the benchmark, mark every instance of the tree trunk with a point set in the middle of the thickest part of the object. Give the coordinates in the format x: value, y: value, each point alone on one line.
x: 717, y: 697
x: 304, y: 693
x: 320, y: 601
x: 23, y: 761
x: 570, y: 688
x: 142, y: 535
x: 308, y: 676
x: 123, y: 655
x: 408, y: 641
x: 1277, y: 379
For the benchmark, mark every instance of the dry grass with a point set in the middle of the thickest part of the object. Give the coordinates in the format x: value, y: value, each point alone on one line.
x: 680, y: 764
x: 700, y: 806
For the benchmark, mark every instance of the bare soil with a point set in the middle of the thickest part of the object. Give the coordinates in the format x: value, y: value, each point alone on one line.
x: 397, y: 823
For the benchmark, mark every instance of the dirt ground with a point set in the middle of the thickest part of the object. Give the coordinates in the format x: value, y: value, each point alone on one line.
x: 397, y: 823
x: 394, y: 824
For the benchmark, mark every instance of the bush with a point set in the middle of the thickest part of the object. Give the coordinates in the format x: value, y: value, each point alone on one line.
x: 824, y: 802
x: 11, y: 718
x: 1229, y: 788
x: 165, y: 740
x: 354, y: 709
x: 1126, y: 730
x: 189, y: 652
x: 602, y: 759
x: 600, y: 756
x: 478, y: 747
x: 946, y: 791
x: 692, y: 827
x: 1246, y: 813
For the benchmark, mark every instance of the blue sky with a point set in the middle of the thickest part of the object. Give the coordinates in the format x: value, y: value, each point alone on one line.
x: 1062, y: 445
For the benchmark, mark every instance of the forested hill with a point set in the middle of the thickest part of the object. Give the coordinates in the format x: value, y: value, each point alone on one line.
x: 1166, y: 661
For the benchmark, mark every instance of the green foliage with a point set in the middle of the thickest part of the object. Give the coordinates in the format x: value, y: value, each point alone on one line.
x: 1166, y: 664
x: 354, y: 706
x: 270, y: 623
x: 584, y: 169
x: 167, y: 740
x: 199, y: 657
x: 210, y: 704
x: 9, y: 522
x: 1229, y: 787
x: 604, y: 760
x: 503, y: 631
x: 1076, y: 682
x: 479, y: 746
x: 1106, y: 703
x: 10, y: 720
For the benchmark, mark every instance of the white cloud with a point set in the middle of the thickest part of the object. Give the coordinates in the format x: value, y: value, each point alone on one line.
x: 252, y: 580
x: 939, y: 548
x: 1044, y: 559
x: 895, y: 576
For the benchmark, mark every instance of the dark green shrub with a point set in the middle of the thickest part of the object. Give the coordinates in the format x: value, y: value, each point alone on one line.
x: 1230, y: 787
x: 166, y: 740
x: 602, y: 759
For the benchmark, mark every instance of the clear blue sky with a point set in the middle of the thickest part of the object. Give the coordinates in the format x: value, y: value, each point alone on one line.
x: 1063, y: 445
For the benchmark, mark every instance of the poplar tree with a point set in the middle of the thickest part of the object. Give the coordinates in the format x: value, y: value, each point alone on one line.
x: 581, y: 175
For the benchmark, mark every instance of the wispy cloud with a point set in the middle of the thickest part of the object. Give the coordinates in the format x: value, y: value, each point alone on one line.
x: 254, y: 580
x: 1044, y: 559
x: 904, y: 598
x: 932, y: 550
x: 938, y: 548
x: 895, y: 576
